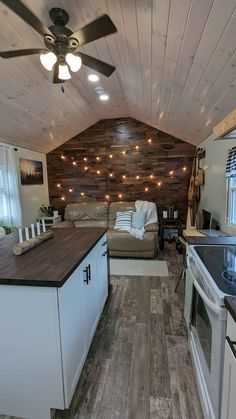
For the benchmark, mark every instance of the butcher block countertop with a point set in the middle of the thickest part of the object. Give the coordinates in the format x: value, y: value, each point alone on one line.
x: 52, y: 262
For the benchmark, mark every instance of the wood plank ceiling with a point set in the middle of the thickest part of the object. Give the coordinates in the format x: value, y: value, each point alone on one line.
x: 175, y: 70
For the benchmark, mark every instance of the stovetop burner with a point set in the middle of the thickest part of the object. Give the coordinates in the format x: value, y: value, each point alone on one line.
x: 220, y: 261
x: 229, y: 276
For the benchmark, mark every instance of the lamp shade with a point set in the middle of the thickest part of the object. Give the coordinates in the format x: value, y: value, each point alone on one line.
x: 64, y: 73
x: 48, y: 60
x: 73, y: 61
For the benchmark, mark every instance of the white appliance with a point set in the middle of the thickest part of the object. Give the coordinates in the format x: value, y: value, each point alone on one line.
x: 211, y: 274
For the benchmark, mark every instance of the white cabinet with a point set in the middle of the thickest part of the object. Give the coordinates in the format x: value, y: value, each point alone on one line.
x: 102, y: 270
x: 45, y: 337
x: 71, y: 312
x: 229, y: 380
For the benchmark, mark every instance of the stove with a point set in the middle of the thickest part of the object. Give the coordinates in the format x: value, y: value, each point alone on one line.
x: 220, y: 262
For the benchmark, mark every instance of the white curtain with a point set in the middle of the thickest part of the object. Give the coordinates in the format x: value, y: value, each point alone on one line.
x: 10, y: 206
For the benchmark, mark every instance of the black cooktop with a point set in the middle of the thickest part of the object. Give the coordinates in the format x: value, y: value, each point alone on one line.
x: 220, y: 261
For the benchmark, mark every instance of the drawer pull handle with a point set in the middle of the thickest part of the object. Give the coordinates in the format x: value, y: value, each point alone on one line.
x: 87, y: 277
x: 104, y: 243
x: 89, y: 272
x: 104, y: 253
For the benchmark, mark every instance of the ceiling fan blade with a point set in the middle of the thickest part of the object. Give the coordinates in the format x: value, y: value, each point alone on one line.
x: 21, y: 52
x: 95, y: 64
x: 55, y: 74
x: 29, y: 17
x: 100, y: 27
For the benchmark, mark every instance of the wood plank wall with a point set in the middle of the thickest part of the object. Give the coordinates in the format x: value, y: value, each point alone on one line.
x: 162, y: 162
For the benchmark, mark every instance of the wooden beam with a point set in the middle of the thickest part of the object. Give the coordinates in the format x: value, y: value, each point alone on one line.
x: 226, y: 125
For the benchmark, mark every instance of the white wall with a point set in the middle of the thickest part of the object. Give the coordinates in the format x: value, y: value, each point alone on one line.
x: 213, y: 193
x: 32, y: 196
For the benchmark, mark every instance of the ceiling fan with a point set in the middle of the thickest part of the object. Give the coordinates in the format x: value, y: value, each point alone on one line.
x: 61, y: 43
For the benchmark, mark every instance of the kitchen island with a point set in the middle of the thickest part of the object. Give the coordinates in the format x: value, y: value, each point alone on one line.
x: 51, y: 299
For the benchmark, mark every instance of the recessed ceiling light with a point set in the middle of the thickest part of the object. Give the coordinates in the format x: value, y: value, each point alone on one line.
x: 104, y: 97
x: 93, y: 77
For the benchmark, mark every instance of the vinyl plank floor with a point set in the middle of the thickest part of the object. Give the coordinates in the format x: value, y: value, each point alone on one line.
x: 138, y: 366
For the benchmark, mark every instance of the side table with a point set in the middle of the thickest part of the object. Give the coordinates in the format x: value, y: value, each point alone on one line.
x: 170, y: 229
x: 50, y: 220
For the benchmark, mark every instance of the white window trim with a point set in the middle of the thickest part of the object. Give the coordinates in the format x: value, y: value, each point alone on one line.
x: 228, y: 208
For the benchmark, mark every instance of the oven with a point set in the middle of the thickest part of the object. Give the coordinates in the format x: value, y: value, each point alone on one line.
x: 206, y: 319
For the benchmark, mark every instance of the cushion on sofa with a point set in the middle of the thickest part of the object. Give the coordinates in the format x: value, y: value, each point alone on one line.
x: 91, y: 223
x: 122, y: 240
x: 114, y: 207
x: 138, y: 219
x: 123, y: 220
x: 84, y: 211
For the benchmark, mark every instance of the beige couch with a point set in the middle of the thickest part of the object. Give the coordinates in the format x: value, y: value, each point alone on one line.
x: 102, y: 214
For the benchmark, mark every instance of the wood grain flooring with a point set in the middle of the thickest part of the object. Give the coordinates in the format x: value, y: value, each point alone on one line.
x: 138, y: 366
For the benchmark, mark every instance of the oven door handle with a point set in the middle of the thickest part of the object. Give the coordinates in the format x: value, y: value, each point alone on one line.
x: 212, y: 306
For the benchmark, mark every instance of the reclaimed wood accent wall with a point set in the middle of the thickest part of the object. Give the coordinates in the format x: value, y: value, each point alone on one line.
x: 121, y: 159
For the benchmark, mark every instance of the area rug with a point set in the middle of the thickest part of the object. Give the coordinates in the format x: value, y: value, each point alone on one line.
x: 138, y: 267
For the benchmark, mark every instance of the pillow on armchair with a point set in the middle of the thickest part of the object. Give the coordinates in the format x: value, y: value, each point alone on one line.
x: 123, y: 220
x: 138, y: 219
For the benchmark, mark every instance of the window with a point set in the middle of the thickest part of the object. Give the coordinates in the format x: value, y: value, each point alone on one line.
x: 232, y: 200
x: 10, y: 207
x: 3, y: 209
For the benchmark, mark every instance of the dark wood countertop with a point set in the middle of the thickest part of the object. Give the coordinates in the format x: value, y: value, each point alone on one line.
x: 210, y: 240
x: 230, y: 304
x: 52, y: 262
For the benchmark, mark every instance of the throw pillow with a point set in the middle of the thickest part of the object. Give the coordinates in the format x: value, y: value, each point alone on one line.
x: 138, y: 219
x: 123, y: 220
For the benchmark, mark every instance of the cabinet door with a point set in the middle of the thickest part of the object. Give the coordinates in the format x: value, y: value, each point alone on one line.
x: 189, y: 279
x: 102, y: 271
x: 91, y: 295
x: 71, y: 313
x: 229, y: 384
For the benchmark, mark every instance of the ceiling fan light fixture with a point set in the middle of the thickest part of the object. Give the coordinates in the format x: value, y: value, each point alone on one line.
x: 64, y: 73
x: 48, y: 60
x: 104, y: 97
x: 74, y: 61
x: 93, y: 77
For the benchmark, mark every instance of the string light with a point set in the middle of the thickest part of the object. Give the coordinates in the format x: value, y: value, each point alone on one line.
x: 85, y: 159
x: 58, y: 185
x: 70, y: 190
x: 74, y: 163
x: 149, y: 140
x: 85, y: 167
x: 159, y: 183
x: 123, y: 152
x: 63, y: 157
x: 111, y: 155
x: 111, y: 174
x: 63, y: 198
x: 97, y: 158
x: 107, y: 196
x: 171, y: 172
x: 82, y: 193
x: 137, y: 177
x: 184, y: 169
x: 120, y: 195
x: 124, y: 176
x: 151, y: 176
x: 98, y: 172
x: 137, y: 147
x: 146, y: 189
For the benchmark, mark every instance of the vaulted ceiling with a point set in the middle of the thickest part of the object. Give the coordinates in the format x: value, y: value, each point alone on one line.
x: 175, y: 70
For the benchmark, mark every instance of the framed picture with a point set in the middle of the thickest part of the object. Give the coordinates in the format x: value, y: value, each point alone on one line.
x: 31, y: 172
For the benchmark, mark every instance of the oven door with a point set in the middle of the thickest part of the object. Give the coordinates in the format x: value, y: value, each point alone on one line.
x: 207, y: 332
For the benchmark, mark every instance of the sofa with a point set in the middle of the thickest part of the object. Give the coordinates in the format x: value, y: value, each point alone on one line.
x: 102, y: 214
